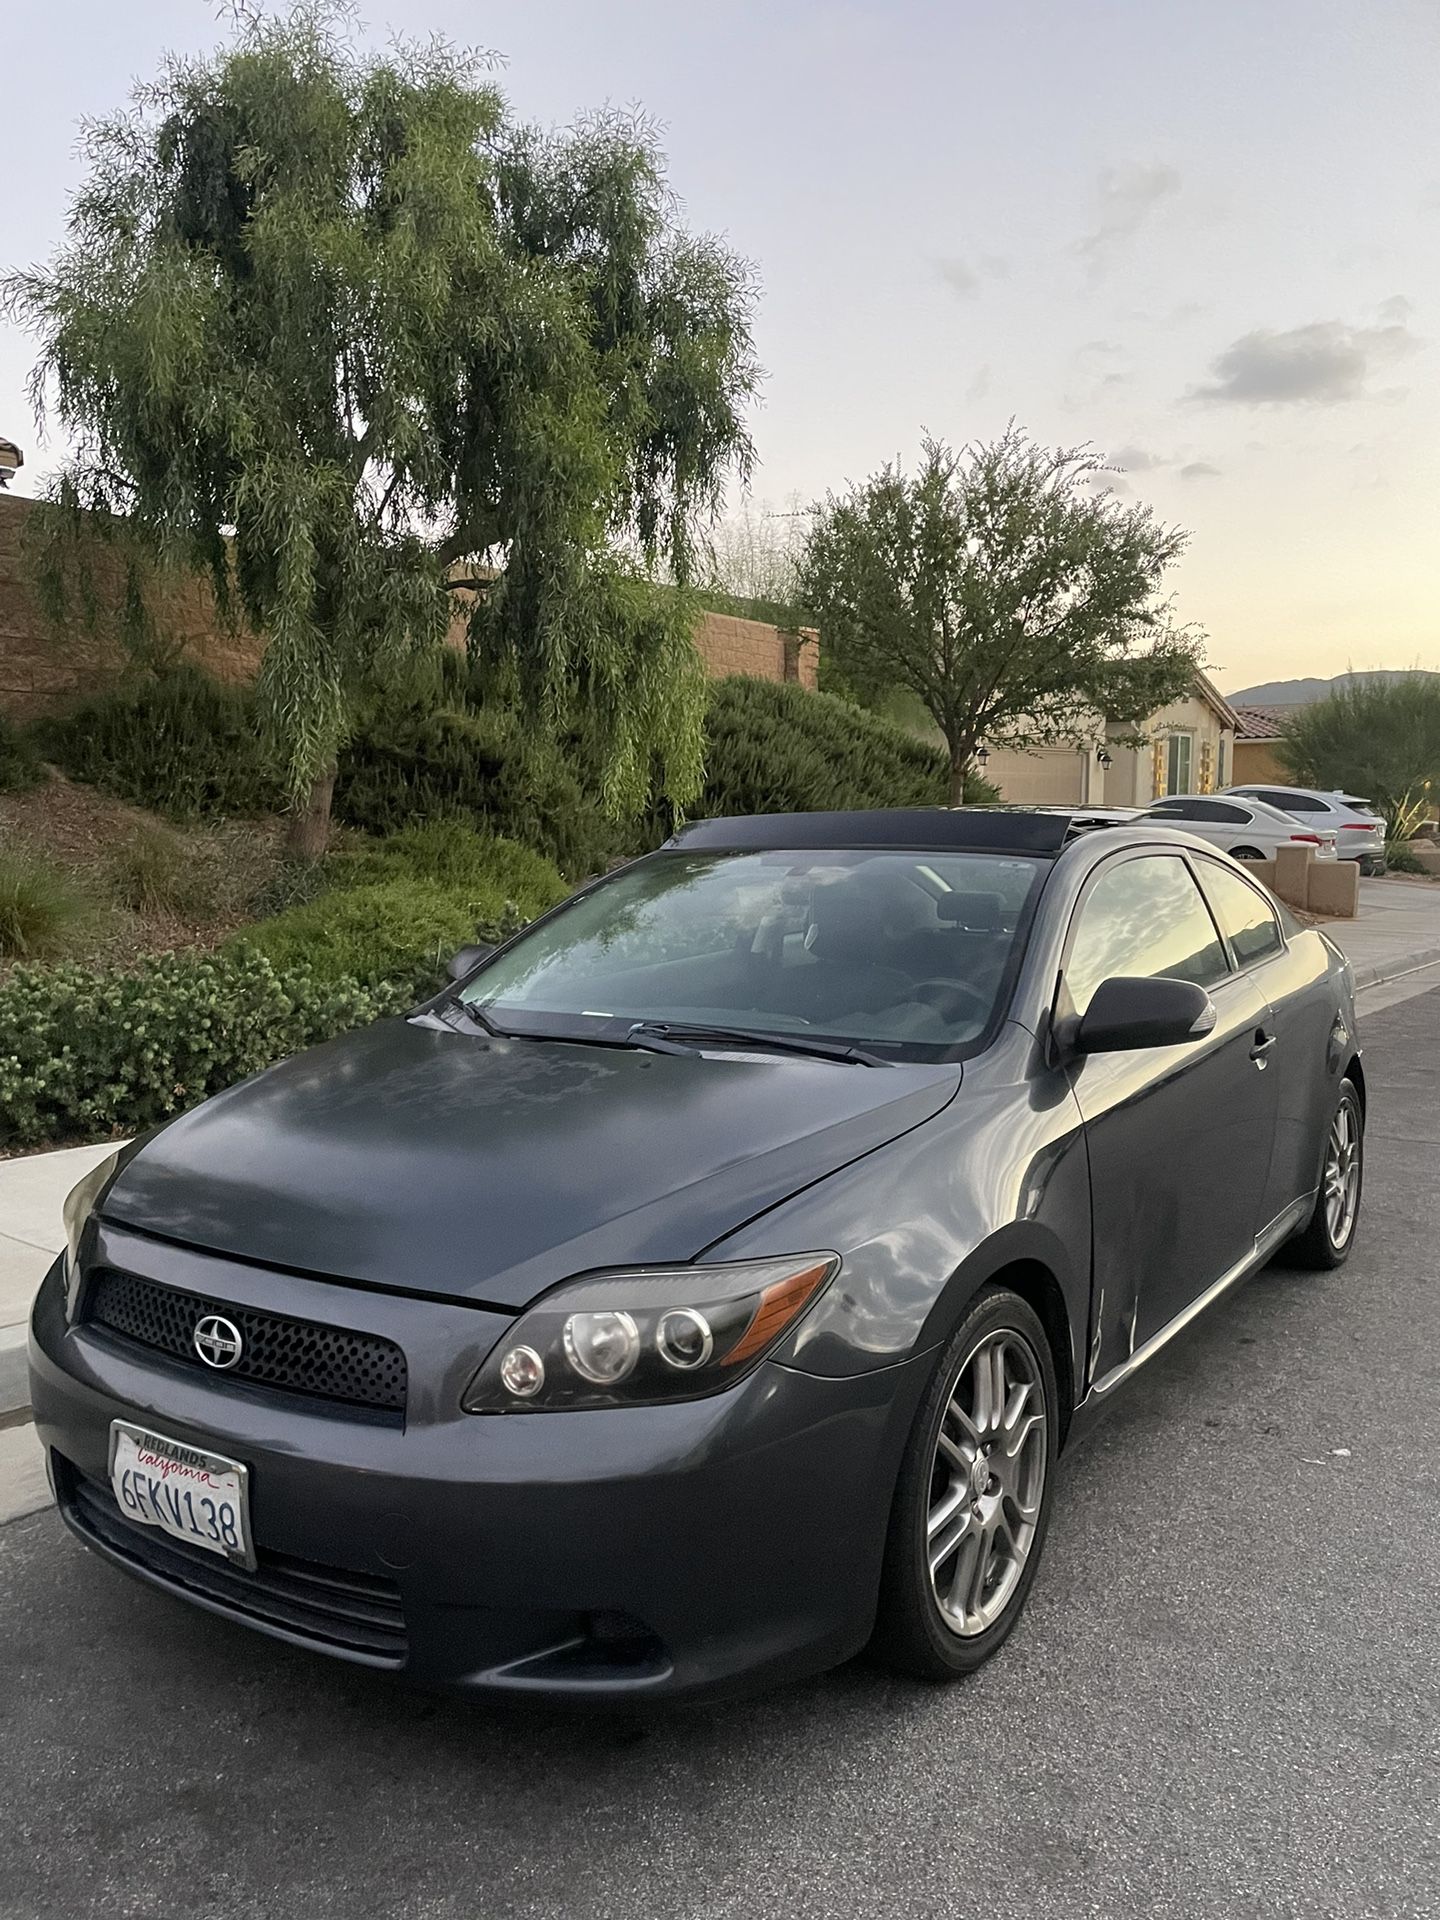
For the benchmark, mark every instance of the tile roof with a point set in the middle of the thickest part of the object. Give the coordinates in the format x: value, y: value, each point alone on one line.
x: 1261, y: 723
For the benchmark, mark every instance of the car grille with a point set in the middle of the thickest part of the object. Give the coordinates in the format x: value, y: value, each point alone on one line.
x: 299, y: 1356
x: 354, y: 1613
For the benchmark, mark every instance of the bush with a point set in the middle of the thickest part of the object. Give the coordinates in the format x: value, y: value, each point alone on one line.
x: 88, y: 1052
x: 154, y: 871
x: 492, y: 878
x: 401, y: 932
x: 1400, y: 859
x: 407, y: 764
x: 399, y: 909
x: 20, y: 764
x: 38, y: 908
x: 181, y: 744
x: 1372, y: 736
x: 778, y: 748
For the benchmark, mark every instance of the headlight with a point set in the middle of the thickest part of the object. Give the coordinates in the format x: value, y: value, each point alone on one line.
x: 79, y: 1205
x: 632, y: 1339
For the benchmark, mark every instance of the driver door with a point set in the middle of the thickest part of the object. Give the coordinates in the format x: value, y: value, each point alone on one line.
x: 1179, y: 1138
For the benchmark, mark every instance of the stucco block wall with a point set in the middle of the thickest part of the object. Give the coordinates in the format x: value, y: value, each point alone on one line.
x: 41, y: 668
x: 728, y: 644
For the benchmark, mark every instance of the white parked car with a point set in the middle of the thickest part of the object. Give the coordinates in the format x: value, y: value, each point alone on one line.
x: 1359, y: 827
x: 1248, y: 829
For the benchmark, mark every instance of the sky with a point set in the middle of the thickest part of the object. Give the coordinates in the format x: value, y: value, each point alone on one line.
x: 1201, y: 235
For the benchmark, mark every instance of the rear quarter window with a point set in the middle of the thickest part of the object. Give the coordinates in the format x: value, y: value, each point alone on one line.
x: 1246, y: 915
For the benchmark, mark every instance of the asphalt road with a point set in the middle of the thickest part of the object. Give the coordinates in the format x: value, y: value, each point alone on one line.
x: 1225, y: 1699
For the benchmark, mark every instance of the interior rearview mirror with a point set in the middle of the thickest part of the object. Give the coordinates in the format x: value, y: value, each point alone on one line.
x: 467, y: 959
x: 1126, y: 1014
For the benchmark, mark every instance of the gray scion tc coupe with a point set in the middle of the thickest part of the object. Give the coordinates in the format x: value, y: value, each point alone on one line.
x: 702, y: 1288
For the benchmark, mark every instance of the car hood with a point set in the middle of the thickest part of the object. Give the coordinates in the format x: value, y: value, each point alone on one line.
x: 438, y: 1162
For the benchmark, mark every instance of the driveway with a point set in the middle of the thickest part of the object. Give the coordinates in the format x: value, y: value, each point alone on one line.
x: 1224, y: 1701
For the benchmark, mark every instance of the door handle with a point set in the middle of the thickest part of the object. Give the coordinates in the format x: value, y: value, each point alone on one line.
x: 1263, y: 1043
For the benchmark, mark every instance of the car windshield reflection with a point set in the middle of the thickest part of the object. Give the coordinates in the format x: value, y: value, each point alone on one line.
x: 908, y: 954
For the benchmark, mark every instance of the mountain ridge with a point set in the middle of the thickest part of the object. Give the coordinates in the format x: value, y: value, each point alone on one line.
x: 1303, y: 693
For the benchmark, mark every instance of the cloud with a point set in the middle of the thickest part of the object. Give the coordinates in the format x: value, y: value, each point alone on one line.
x: 1319, y: 364
x: 959, y: 278
x: 1397, y: 309
x: 1136, y: 460
x: 1199, y: 470
x: 980, y: 385
x: 1128, y: 196
x: 965, y: 280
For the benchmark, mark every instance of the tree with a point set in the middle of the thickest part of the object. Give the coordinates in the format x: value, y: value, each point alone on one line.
x: 753, y: 554
x: 333, y: 327
x: 1003, y: 591
x: 1375, y: 738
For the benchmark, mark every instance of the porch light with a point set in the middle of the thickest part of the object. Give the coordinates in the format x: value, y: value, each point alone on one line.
x: 982, y: 755
x: 1104, y: 758
x: 11, y: 460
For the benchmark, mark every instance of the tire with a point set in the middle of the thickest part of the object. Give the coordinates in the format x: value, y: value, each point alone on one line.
x: 1247, y: 853
x: 1327, y: 1237
x: 983, y: 1583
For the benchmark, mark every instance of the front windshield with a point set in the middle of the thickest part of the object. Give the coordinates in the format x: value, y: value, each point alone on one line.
x: 904, y: 953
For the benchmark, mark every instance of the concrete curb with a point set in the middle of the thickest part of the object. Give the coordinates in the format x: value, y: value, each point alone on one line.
x: 1396, y: 969
x: 14, y: 1375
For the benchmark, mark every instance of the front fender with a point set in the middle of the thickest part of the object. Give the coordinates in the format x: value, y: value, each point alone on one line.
x: 999, y: 1178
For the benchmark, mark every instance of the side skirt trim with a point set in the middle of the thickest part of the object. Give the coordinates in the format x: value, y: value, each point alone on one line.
x: 1265, y: 1244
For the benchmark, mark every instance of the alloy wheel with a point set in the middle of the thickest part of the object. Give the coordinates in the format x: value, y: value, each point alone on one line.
x: 1340, y: 1185
x: 987, y: 1481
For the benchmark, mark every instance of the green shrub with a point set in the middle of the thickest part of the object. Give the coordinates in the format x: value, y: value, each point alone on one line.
x: 154, y: 871
x: 402, y: 932
x: 407, y: 764
x: 487, y: 875
x: 290, y: 883
x: 180, y: 743
x: 86, y: 1052
x: 39, y: 908
x: 1400, y: 859
x: 20, y: 764
x: 778, y: 748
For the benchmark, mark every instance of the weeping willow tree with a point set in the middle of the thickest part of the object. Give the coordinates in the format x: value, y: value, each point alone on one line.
x: 335, y: 329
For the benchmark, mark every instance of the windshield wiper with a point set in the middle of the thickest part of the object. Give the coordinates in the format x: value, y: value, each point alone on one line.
x: 460, y: 1015
x: 686, y: 1036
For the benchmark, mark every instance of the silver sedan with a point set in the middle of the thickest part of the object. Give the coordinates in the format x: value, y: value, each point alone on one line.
x: 1244, y: 828
x: 1359, y: 828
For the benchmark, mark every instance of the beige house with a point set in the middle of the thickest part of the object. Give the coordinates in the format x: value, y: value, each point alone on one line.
x: 1189, y: 748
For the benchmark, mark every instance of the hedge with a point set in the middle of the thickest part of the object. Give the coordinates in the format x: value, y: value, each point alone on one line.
x: 89, y: 1052
x: 409, y: 764
x: 397, y: 911
x: 20, y: 765
x: 180, y: 743
x: 778, y: 748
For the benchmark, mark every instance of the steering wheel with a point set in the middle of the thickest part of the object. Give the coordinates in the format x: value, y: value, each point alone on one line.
x: 947, y: 995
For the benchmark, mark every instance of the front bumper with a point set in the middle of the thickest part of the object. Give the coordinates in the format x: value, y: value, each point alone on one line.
x: 649, y: 1552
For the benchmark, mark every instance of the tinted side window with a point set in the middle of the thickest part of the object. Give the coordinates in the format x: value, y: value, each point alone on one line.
x: 1144, y: 919
x: 1294, y: 802
x: 1243, y: 911
x: 1221, y: 810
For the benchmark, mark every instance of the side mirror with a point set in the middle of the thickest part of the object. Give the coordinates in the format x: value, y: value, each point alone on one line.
x: 466, y: 961
x: 1125, y: 1015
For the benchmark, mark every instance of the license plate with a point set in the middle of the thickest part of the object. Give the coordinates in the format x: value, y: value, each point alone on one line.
x: 197, y: 1497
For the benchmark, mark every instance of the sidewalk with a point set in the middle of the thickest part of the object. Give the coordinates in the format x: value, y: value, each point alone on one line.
x: 1398, y: 930
x: 32, y: 1192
